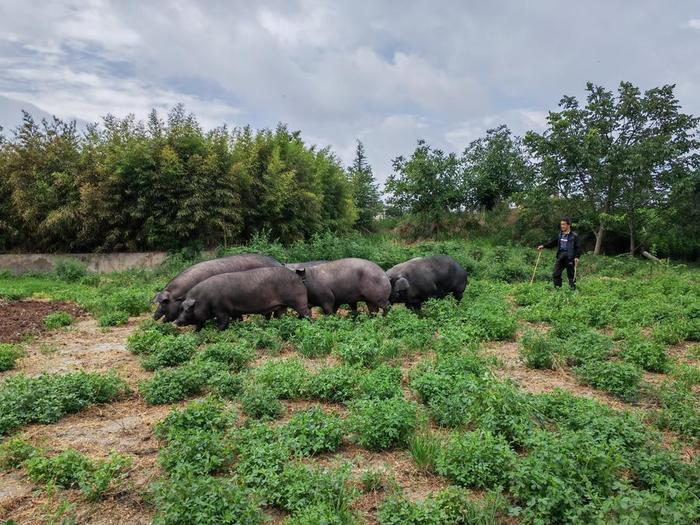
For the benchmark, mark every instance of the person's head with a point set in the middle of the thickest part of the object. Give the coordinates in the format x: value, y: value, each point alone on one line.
x: 565, y: 224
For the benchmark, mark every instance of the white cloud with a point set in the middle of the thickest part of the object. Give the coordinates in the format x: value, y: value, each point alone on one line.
x: 694, y: 23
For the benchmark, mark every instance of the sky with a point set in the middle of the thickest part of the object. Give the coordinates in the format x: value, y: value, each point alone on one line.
x: 384, y: 72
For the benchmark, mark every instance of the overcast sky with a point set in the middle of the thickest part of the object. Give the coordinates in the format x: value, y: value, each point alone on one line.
x: 386, y: 72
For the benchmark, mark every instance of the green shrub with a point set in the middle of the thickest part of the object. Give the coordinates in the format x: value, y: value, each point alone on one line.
x: 475, y: 459
x: 286, y: 378
x: 359, y: 351
x: 71, y: 469
x: 334, y: 383
x: 197, y: 451
x: 620, y: 379
x: 260, y: 402
x: 671, y: 332
x: 70, y: 270
x: 312, y: 341
x: 144, y: 342
x: 537, y: 350
x: 321, y: 513
x: 236, y: 356
x: 262, y: 455
x: 48, y: 397
x: 450, y: 506
x: 312, y: 431
x: 14, y: 452
x: 680, y: 409
x: 383, y: 382
x: 170, y: 350
x: 302, y: 487
x: 666, y: 504
x: 372, y: 481
x: 170, y: 385
x: 383, y: 424
x: 226, y: 384
x: 586, y: 346
x: 207, y: 414
x: 204, y: 500
x: 646, y: 354
x: 9, y: 354
x: 115, y: 318
x: 564, y: 477
x: 58, y: 320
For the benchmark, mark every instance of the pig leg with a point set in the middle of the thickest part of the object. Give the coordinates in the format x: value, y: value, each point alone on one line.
x: 458, y: 295
x: 222, y: 321
x: 353, y: 310
x: 303, y: 310
x: 373, y: 308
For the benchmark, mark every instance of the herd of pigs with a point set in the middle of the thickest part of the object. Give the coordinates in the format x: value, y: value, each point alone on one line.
x: 227, y: 288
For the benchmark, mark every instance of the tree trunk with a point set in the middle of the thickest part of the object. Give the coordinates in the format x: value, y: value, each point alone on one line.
x: 599, y: 240
x: 632, y: 246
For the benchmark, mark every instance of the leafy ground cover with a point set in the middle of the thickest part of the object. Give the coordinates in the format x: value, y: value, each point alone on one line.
x: 339, y: 420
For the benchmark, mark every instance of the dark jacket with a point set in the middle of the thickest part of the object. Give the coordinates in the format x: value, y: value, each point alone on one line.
x: 573, y: 247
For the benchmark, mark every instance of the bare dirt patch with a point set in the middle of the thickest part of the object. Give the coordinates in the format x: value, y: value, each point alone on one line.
x: 22, y: 318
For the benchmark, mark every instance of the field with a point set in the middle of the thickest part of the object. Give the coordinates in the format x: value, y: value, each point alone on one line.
x: 521, y: 404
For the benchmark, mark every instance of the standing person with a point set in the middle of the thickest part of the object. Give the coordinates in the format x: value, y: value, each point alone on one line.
x: 568, y: 252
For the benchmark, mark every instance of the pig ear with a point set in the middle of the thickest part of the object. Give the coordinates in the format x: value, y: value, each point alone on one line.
x: 188, y: 303
x: 162, y: 297
x: 401, y: 284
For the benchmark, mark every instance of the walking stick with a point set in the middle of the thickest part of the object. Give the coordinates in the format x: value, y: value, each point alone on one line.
x: 539, y: 252
x: 575, y: 269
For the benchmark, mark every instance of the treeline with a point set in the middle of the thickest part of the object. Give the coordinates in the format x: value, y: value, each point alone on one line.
x: 165, y: 184
x: 624, y: 165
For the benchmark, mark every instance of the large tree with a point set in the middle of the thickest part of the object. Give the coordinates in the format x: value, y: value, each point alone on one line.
x: 428, y: 185
x: 615, y: 155
x: 496, y: 166
x: 365, y: 191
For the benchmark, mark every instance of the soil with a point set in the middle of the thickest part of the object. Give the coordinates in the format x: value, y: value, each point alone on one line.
x: 25, y: 318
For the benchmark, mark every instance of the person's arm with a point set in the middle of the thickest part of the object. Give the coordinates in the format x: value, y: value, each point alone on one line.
x: 577, y: 248
x: 549, y: 244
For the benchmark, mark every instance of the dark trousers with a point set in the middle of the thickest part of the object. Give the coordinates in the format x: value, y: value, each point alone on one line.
x: 563, y: 262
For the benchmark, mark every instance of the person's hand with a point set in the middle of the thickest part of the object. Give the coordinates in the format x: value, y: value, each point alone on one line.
x: 540, y: 247
x: 576, y: 261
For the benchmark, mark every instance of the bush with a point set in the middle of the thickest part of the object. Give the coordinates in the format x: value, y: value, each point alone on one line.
x: 226, y: 384
x: 359, y: 351
x: 260, y: 402
x: 196, y: 451
x: 564, y: 477
x: 208, y: 414
x: 313, y: 340
x: 14, y: 452
x: 537, y: 351
x: 679, y: 409
x: 170, y: 350
x: 475, y: 459
x: 236, y: 356
x: 587, y: 346
x: 170, y: 385
x: 115, y: 318
x: 286, y: 378
x: 383, y: 424
x: 321, y: 513
x: 70, y: 270
x: 646, y: 354
x: 71, y: 469
x: 313, y: 431
x: 48, y: 397
x: 383, y: 382
x: 334, y: 383
x: 58, y: 320
x: 447, y: 507
x: 620, y: 379
x: 9, y: 354
x: 302, y: 487
x: 204, y: 500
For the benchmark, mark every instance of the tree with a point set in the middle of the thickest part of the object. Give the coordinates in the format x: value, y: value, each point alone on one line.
x: 496, y: 166
x: 428, y: 185
x: 614, y: 156
x: 365, y: 191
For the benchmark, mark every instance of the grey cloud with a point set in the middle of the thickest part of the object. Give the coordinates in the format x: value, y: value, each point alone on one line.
x: 385, y: 72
